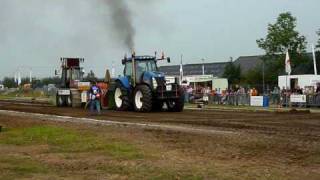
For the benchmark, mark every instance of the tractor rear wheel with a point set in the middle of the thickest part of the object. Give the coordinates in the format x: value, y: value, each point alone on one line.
x: 121, y: 98
x: 176, y: 105
x: 142, y: 99
x: 69, y: 101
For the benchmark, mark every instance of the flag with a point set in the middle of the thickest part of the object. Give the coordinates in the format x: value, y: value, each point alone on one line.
x: 314, y: 60
x: 288, y: 63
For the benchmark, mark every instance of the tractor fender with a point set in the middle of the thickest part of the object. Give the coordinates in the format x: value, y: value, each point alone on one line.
x: 125, y: 82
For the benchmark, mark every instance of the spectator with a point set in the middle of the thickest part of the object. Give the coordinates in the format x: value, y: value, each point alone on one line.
x: 254, y: 92
x: 188, y: 94
x: 318, y: 88
x: 94, y: 95
x: 275, y: 94
x: 299, y: 91
x: 242, y: 95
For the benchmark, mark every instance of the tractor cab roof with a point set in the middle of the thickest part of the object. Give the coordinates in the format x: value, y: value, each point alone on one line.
x: 139, y: 58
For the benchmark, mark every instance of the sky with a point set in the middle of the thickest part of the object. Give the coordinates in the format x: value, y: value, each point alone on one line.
x: 34, y: 34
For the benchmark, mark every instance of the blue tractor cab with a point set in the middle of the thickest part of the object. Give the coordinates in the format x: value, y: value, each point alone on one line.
x: 143, y: 88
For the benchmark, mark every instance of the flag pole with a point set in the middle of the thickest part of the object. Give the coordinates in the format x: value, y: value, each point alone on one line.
x: 314, y: 60
x: 181, y: 69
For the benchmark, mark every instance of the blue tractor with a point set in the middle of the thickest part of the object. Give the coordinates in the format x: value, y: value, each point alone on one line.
x: 143, y: 88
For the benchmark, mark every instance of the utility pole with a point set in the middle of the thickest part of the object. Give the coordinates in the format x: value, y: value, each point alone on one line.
x: 263, y: 76
x: 203, y: 72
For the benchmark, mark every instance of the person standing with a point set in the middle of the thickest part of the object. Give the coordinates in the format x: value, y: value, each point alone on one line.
x: 94, y: 95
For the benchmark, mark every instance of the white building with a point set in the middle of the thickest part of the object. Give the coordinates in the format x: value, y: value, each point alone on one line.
x: 302, y: 81
x: 214, y: 83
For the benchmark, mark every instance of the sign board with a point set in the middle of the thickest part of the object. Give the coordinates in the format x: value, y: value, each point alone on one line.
x: 200, y: 78
x: 298, y: 98
x: 314, y: 82
x: 170, y: 79
x: 256, y: 101
x: 84, y: 96
x: 64, y: 92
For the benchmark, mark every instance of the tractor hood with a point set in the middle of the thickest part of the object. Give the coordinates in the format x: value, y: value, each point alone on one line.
x: 153, y: 74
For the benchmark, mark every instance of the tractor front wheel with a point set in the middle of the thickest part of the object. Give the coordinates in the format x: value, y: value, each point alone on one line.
x: 142, y: 99
x: 60, y: 102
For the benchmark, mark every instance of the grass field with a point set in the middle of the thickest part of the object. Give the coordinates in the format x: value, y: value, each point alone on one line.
x: 33, y: 149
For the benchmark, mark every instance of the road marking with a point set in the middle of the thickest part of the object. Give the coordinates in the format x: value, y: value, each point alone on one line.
x: 153, y: 126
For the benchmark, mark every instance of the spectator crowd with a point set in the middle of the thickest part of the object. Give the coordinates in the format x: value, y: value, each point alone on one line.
x: 241, y: 96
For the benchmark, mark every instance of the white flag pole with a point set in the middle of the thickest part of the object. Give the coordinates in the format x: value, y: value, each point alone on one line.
x: 314, y: 60
x: 30, y: 76
x: 19, y: 78
x: 203, y: 71
x: 113, y: 70
x: 181, y: 69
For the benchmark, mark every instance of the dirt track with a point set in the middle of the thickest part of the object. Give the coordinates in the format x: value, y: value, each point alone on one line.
x: 261, y: 145
x: 286, y: 124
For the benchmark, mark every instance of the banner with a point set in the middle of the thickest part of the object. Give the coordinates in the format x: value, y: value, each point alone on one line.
x: 298, y: 98
x: 256, y: 101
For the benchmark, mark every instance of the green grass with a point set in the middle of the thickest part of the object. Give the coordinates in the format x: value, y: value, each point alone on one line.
x: 126, y: 160
x: 61, y: 140
x: 22, y: 93
x: 12, y: 167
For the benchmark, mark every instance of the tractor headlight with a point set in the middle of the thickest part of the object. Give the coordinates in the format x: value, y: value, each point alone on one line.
x: 154, y: 83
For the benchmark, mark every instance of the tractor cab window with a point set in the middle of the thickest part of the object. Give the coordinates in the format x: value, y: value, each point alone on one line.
x: 76, y: 74
x: 143, y: 66
x: 128, y: 69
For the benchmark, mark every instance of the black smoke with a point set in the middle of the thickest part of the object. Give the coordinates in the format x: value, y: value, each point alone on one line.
x: 122, y: 22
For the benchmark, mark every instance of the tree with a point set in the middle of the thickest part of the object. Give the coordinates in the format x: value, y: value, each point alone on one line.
x: 253, y: 76
x: 282, y: 36
x: 9, y: 82
x: 232, y: 73
x: 91, y: 76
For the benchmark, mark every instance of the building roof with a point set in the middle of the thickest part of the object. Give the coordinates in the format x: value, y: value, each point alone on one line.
x: 248, y: 62
x: 215, y: 69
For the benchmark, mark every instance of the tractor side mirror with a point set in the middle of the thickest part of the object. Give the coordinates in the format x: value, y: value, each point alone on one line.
x: 168, y: 59
x: 123, y: 61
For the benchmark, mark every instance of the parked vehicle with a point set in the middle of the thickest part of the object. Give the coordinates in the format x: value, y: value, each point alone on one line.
x: 72, y: 90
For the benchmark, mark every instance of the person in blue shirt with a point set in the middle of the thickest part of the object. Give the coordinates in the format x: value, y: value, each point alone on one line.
x: 94, y: 97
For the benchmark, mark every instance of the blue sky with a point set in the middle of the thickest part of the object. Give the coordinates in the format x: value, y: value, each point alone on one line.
x: 36, y: 33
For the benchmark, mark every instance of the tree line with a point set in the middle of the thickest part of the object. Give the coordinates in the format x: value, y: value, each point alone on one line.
x: 11, y: 82
x: 282, y: 36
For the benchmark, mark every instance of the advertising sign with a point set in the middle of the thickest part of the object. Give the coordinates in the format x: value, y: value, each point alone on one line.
x: 298, y: 98
x: 256, y: 101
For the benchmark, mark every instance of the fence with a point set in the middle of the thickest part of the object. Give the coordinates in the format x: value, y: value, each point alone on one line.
x: 312, y: 100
